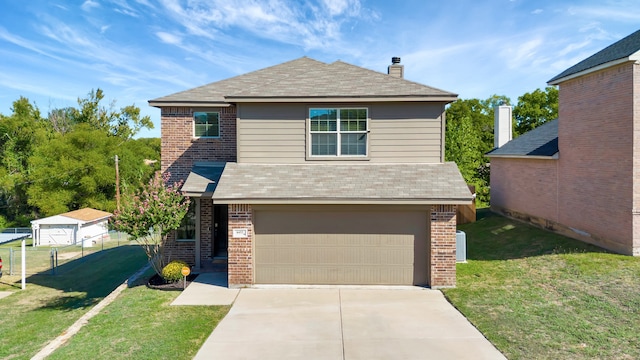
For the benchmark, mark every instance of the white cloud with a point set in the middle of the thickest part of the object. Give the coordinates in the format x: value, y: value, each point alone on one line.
x: 126, y: 12
x: 89, y: 4
x: 537, y: 11
x: 104, y: 28
x: 289, y: 22
x: 520, y: 55
x: 172, y: 39
x: 339, y: 7
x: 626, y: 12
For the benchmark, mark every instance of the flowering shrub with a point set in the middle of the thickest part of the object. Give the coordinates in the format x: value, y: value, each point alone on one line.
x: 173, y: 271
x: 151, y: 214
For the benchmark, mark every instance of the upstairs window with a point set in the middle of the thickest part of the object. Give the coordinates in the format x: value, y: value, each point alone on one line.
x: 206, y: 124
x: 338, y: 132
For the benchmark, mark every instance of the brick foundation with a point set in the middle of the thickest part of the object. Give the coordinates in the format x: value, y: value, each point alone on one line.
x: 442, y: 264
x: 240, y: 261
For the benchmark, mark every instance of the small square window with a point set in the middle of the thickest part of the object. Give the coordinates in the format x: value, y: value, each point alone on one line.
x: 206, y: 124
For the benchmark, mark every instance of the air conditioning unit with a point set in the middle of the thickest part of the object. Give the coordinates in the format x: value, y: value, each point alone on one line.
x: 461, y: 246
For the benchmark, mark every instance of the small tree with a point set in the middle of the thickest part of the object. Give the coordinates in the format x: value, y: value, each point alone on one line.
x: 151, y: 214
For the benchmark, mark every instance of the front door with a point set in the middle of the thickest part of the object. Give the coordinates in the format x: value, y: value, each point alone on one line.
x: 220, y: 230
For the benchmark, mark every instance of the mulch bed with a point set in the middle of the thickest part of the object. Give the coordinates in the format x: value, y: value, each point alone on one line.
x: 158, y: 283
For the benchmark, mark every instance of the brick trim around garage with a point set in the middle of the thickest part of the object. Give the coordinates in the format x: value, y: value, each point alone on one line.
x: 442, y: 268
x: 240, y: 260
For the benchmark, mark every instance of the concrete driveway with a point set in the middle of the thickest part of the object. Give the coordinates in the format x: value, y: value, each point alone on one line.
x: 345, y: 323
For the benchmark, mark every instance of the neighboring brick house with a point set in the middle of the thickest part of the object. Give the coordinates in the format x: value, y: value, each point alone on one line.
x: 585, y: 180
x: 314, y: 173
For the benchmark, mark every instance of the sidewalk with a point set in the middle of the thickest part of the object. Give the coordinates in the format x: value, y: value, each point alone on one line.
x: 209, y: 288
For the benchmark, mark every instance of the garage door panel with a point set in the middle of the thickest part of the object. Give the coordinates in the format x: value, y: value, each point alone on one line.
x: 333, y: 274
x: 356, y: 248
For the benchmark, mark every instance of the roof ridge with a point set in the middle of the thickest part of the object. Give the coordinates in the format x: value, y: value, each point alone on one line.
x: 239, y: 76
x: 276, y: 80
x: 393, y: 78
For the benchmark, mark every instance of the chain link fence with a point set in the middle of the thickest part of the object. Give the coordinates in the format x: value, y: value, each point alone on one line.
x: 51, y: 259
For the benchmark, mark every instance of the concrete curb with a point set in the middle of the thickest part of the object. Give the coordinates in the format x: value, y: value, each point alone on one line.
x: 73, y: 329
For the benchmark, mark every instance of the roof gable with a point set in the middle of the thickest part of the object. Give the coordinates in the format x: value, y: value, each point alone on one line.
x: 627, y: 48
x: 539, y: 142
x: 305, y: 78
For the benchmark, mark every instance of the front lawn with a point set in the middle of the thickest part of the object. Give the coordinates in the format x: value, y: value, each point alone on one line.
x: 141, y: 324
x: 32, y: 317
x: 538, y: 295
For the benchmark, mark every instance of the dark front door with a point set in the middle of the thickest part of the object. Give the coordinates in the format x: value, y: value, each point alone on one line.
x: 220, y: 230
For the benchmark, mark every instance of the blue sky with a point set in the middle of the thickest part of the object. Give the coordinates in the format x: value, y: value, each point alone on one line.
x: 53, y: 52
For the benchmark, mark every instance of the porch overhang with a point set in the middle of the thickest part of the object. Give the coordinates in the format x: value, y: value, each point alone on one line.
x: 203, y: 179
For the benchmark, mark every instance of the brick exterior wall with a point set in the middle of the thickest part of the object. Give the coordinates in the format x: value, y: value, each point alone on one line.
x: 596, y: 142
x: 636, y: 160
x: 206, y: 226
x: 442, y: 244
x: 240, y: 261
x: 180, y: 149
x: 597, y: 189
x: 527, y: 186
x: 180, y: 250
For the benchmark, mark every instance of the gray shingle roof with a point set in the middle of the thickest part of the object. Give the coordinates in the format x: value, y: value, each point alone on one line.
x: 616, y: 51
x: 203, y: 179
x: 541, y: 141
x: 342, y: 184
x: 305, y: 78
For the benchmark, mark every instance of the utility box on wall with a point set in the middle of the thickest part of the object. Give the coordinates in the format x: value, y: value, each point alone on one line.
x: 461, y: 246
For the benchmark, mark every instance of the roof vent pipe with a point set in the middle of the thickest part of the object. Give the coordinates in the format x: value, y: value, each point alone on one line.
x: 395, y: 69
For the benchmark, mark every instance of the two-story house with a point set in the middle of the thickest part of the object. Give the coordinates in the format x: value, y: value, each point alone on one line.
x: 315, y: 173
x: 579, y: 175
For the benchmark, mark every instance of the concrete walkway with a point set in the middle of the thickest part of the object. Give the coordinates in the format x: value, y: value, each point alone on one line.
x: 344, y: 323
x: 208, y: 289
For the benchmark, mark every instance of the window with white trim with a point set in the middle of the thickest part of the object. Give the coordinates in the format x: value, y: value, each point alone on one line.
x: 338, y: 132
x: 206, y: 124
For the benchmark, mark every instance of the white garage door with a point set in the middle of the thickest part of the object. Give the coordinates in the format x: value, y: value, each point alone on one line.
x: 56, y: 234
x: 298, y: 246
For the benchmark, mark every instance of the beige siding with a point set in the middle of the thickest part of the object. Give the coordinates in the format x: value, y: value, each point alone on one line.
x: 405, y: 132
x: 301, y: 245
x: 399, y: 132
x: 271, y: 133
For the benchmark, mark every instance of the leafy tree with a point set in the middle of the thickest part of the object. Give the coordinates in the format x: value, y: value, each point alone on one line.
x: 124, y: 123
x: 19, y: 135
x: 469, y: 135
x: 75, y: 166
x: 72, y: 171
x: 535, y: 108
x: 150, y: 214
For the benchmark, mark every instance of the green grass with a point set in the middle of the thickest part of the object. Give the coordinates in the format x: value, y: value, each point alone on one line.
x: 50, y: 304
x: 38, y: 259
x: 539, y: 295
x: 140, y: 324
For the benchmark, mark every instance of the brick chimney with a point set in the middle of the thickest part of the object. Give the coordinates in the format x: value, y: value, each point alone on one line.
x: 395, y: 69
x: 502, y: 125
